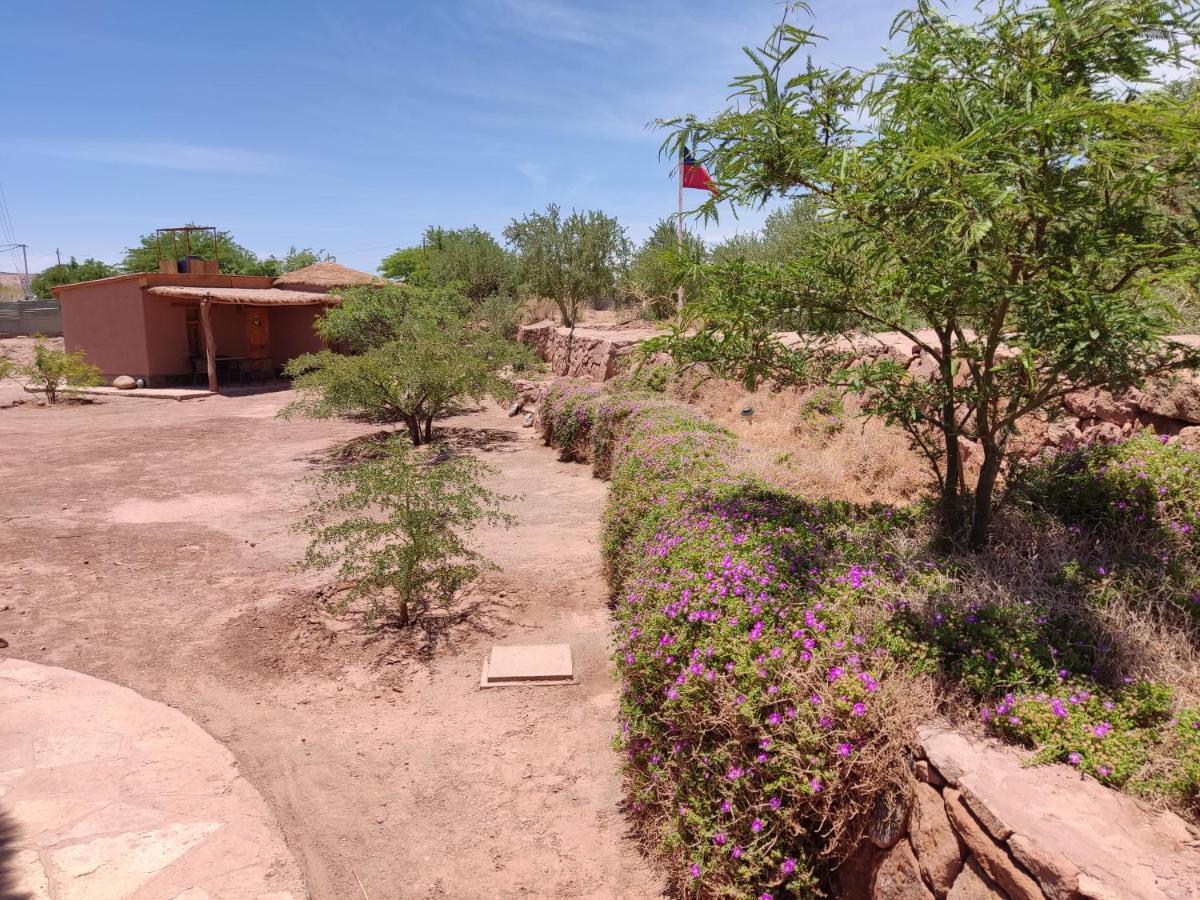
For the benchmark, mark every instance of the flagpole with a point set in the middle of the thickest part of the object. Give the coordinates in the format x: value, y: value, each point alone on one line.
x: 679, y: 226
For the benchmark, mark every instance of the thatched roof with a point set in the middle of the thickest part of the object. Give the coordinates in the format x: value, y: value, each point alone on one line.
x: 249, y: 296
x: 326, y: 275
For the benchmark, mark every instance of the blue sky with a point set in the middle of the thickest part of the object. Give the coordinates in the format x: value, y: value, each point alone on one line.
x: 352, y: 126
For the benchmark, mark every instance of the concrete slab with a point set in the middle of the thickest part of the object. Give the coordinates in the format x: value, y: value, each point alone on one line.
x: 117, y: 796
x: 536, y: 664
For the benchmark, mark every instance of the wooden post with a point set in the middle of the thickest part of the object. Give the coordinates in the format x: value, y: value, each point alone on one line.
x: 679, y: 299
x: 210, y: 347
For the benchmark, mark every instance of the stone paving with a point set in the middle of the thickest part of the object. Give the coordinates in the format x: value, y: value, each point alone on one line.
x: 105, y: 795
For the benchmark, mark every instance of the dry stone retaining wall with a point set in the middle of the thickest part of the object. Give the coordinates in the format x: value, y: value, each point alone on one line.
x: 981, y: 824
x: 591, y: 353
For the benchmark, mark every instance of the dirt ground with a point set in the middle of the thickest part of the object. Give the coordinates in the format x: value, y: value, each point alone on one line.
x: 147, y: 542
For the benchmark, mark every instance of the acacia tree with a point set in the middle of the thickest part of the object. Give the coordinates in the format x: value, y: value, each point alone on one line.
x: 998, y: 191
x: 661, y: 265
x: 71, y: 272
x: 414, y: 357
x: 394, y: 527
x: 568, y: 259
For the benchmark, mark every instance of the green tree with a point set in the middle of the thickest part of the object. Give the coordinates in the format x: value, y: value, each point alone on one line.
x: 71, y: 272
x: 234, y: 258
x: 996, y: 182
x: 55, y: 372
x: 469, y: 259
x: 416, y: 357
x: 394, y: 527
x: 297, y: 258
x: 660, y: 267
x: 785, y: 235
x: 569, y: 260
x: 407, y: 264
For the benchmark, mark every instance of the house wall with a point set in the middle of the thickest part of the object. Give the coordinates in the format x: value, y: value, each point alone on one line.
x: 107, y: 323
x: 292, y: 332
x: 166, y: 337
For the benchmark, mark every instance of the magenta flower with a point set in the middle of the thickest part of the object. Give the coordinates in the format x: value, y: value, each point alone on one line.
x: 844, y: 749
x: 1074, y: 758
x: 694, y: 870
x: 788, y: 867
x: 756, y: 826
x: 859, y: 709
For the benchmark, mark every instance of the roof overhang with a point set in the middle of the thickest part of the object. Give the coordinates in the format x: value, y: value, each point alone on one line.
x: 245, y: 296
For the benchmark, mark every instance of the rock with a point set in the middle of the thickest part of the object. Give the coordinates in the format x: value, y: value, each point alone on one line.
x: 992, y: 859
x: 527, y: 422
x: 856, y: 874
x: 939, y: 853
x: 898, y: 878
x: 1102, y: 433
x: 991, y: 824
x: 3, y: 643
x: 1058, y: 878
x: 888, y: 819
x: 1172, y: 398
x: 1065, y: 434
x: 972, y: 884
x: 514, y: 409
x: 927, y: 773
x: 1100, y: 404
x: 1189, y: 438
x: 1122, y: 847
x: 124, y: 383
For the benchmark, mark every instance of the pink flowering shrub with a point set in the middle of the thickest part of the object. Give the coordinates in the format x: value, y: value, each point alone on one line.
x: 762, y: 717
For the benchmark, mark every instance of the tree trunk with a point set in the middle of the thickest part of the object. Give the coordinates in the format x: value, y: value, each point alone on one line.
x: 428, y: 429
x: 414, y: 430
x: 951, y: 505
x: 985, y: 489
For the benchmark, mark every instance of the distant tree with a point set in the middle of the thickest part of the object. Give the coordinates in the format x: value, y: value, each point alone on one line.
x: 297, y: 258
x: 394, y: 525
x: 998, y: 182
x: 71, y: 272
x: 54, y: 372
x: 234, y: 258
x: 407, y: 264
x: 417, y: 356
x: 569, y: 260
x: 469, y: 259
x: 659, y: 268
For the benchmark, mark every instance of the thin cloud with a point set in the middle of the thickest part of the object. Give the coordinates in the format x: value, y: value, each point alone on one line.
x: 155, y: 154
x: 535, y: 172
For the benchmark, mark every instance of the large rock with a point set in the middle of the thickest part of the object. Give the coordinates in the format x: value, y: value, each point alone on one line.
x: 1172, y: 398
x: 972, y: 884
x: 124, y: 383
x: 856, y: 875
x: 1062, y: 826
x: 939, y: 853
x: 898, y: 877
x: 1100, y: 404
x: 992, y: 857
x: 1189, y: 438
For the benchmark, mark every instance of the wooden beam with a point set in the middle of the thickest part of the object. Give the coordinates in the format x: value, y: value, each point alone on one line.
x: 210, y: 346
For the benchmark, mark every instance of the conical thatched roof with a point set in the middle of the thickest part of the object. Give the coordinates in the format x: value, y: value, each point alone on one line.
x: 325, y: 275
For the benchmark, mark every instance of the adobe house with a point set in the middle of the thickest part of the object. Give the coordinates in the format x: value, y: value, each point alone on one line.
x: 171, y: 327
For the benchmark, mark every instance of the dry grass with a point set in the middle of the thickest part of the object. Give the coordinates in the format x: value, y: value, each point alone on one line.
x: 861, y: 460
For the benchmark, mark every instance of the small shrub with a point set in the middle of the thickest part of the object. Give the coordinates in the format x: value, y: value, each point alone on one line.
x: 55, y: 372
x: 393, y: 526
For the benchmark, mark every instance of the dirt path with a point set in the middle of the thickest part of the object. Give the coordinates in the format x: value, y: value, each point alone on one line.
x: 147, y: 543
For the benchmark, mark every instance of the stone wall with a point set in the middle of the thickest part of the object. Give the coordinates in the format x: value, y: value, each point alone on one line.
x: 597, y: 354
x: 982, y: 824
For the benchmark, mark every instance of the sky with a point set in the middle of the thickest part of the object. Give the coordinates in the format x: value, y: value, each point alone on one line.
x: 352, y: 126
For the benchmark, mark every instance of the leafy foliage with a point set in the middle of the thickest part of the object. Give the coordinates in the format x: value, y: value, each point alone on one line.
x: 233, y: 257
x: 660, y: 267
x: 785, y: 235
x: 394, y: 526
x: 571, y: 259
x: 760, y: 718
x: 995, y: 182
x: 415, y: 357
x: 71, y: 272
x: 466, y: 259
x: 55, y: 372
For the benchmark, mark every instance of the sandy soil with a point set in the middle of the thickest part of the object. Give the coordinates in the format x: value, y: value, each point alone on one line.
x: 147, y: 542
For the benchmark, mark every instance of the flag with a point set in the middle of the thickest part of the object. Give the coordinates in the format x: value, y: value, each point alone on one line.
x: 694, y: 174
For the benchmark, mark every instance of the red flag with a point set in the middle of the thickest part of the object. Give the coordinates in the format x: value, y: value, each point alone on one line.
x: 694, y: 174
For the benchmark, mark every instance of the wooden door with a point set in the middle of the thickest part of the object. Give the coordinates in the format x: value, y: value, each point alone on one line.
x: 258, y: 337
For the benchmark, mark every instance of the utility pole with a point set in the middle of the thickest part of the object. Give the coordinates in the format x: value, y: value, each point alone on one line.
x: 58, y: 256
x: 25, y: 263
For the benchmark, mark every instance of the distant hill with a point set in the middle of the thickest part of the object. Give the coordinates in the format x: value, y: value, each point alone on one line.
x: 10, y: 286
